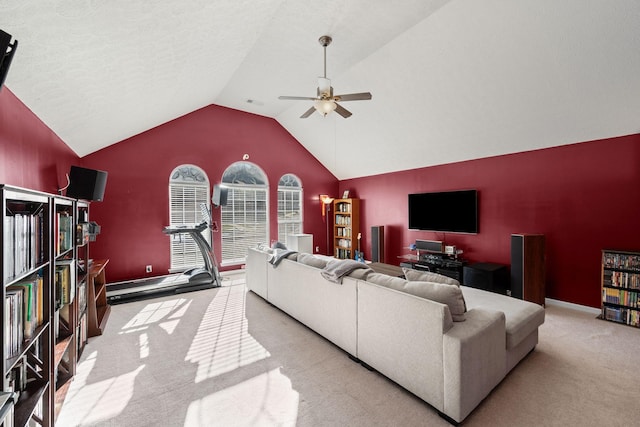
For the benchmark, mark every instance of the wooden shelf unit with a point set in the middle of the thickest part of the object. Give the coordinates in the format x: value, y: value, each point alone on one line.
x: 98, y: 309
x: 82, y: 256
x: 620, y: 287
x: 64, y: 292
x: 26, y: 270
x: 346, y: 226
x: 43, y: 258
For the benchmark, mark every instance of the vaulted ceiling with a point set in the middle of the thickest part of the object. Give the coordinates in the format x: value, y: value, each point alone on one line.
x: 451, y: 79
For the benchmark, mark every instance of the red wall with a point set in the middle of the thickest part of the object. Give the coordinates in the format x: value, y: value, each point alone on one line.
x: 583, y: 197
x: 135, y: 206
x: 31, y: 155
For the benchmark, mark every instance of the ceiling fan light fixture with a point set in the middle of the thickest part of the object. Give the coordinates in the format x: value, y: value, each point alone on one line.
x: 324, y: 106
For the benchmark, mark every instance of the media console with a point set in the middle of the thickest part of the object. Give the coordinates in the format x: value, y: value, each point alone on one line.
x: 438, y: 263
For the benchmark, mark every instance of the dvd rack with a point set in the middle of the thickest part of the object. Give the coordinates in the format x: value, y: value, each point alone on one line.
x: 620, y: 287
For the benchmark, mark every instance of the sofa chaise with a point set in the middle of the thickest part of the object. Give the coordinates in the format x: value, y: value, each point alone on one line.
x: 450, y: 345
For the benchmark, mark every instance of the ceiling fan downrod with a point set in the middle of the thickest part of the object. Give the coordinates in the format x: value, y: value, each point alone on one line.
x: 324, y: 42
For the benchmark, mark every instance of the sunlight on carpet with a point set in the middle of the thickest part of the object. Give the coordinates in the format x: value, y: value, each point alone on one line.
x: 102, y: 400
x: 154, y: 312
x: 264, y: 400
x: 222, y: 342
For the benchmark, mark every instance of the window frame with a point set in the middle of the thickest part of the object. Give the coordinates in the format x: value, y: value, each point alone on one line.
x: 289, y: 184
x: 234, y: 222
x: 184, y: 253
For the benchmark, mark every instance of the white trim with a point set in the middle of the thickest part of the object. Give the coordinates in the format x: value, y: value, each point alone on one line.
x: 585, y: 308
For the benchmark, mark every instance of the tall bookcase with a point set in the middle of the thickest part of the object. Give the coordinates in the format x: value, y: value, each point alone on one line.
x: 82, y: 257
x: 64, y: 291
x: 621, y: 287
x: 42, y: 264
x: 27, y: 268
x: 346, y: 227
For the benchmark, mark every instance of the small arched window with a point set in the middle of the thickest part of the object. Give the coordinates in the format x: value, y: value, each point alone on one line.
x: 188, y: 189
x: 244, y: 219
x: 289, y: 207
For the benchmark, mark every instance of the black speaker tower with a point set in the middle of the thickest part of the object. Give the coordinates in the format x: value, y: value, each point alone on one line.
x: 377, y: 243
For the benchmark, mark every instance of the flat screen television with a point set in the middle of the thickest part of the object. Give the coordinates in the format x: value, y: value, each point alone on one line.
x: 87, y: 184
x: 445, y: 211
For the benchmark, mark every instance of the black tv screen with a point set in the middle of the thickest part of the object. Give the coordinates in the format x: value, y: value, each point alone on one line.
x: 87, y: 184
x: 445, y: 211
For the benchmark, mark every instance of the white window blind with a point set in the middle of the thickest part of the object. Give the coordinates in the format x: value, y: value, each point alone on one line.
x: 187, y: 191
x: 289, y: 207
x: 244, y: 219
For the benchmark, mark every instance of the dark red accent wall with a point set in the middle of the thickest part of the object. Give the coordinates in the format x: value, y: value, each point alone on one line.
x: 31, y: 155
x: 135, y: 206
x: 583, y: 197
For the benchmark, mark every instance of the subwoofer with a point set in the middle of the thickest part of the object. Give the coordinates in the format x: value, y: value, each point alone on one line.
x: 377, y: 243
x: 528, y: 267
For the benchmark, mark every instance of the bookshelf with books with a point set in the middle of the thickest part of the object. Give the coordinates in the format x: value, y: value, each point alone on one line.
x: 621, y: 287
x: 64, y: 291
x: 26, y: 270
x: 82, y: 257
x: 346, y: 226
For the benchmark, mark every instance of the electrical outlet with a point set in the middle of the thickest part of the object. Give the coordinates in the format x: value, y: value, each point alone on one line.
x: 148, y: 269
x: 317, y: 249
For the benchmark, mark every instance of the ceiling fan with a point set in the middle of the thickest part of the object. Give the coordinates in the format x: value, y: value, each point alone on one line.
x: 326, y: 101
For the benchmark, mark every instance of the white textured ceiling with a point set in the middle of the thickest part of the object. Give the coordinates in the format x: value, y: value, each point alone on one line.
x: 451, y: 79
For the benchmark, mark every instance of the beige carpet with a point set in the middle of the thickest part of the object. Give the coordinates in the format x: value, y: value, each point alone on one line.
x: 224, y: 357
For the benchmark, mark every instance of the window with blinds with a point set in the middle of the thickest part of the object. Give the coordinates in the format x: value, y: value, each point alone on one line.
x: 289, y: 207
x: 188, y: 190
x: 244, y: 219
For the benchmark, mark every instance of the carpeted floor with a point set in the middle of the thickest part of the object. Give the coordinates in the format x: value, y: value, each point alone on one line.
x: 224, y: 357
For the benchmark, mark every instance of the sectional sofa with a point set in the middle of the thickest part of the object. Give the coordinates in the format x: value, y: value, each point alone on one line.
x: 450, y: 345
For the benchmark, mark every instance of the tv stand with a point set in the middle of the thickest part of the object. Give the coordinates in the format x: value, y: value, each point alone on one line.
x: 438, y: 263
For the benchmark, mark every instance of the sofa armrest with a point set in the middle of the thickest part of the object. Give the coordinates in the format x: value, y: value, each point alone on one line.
x: 474, y: 361
x: 256, y: 272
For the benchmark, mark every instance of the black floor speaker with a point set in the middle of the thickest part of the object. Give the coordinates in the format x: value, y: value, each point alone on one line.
x: 528, y: 267
x: 377, y: 243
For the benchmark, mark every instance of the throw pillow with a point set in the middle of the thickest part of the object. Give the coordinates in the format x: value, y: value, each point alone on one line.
x: 311, y: 260
x: 427, y: 276
x: 438, y: 292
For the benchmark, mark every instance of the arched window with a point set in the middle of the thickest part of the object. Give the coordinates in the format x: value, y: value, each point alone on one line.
x: 289, y: 207
x: 244, y: 219
x: 188, y: 189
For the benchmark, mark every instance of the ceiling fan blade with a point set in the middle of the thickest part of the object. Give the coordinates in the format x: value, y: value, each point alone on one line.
x: 363, y: 96
x: 298, y: 98
x: 342, y: 111
x: 307, y: 113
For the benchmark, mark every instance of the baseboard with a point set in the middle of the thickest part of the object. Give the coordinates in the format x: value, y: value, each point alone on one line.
x: 585, y: 308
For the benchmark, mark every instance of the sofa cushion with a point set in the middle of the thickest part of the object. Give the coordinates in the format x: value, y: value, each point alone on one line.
x: 521, y: 317
x: 311, y: 260
x: 427, y: 276
x: 439, y: 292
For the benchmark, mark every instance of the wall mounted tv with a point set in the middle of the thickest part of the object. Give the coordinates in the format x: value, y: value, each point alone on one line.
x: 87, y: 184
x: 445, y: 211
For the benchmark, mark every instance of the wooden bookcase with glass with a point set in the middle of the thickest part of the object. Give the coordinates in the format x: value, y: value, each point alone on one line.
x: 621, y: 287
x: 346, y: 227
x: 26, y: 269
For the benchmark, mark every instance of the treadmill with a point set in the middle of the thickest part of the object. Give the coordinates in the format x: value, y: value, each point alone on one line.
x: 194, y: 279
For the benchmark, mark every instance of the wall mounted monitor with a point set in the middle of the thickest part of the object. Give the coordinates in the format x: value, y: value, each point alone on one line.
x: 444, y: 211
x: 86, y: 184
